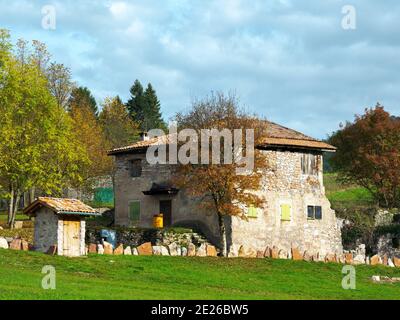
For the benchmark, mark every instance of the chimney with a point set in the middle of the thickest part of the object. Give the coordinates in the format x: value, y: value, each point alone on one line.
x: 144, y: 136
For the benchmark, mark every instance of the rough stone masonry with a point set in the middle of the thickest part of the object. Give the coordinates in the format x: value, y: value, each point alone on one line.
x: 296, y: 212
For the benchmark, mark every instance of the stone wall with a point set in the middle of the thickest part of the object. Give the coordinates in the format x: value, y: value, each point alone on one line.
x: 185, y: 211
x: 134, y: 237
x: 283, y: 183
x: 384, y: 245
x: 45, y: 229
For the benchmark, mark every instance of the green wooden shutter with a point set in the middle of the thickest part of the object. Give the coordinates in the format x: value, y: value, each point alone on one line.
x: 134, y: 211
x: 285, y: 212
x: 252, y: 212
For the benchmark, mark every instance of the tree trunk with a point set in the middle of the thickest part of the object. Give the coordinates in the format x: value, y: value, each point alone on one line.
x: 15, y: 209
x: 10, y: 206
x: 31, y: 195
x: 222, y: 231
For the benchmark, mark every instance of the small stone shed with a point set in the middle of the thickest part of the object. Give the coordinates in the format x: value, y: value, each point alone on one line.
x: 60, y: 223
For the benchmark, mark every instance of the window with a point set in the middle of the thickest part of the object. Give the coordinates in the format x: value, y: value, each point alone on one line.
x: 136, y: 168
x: 252, y: 212
x: 285, y: 212
x: 314, y: 212
x: 134, y: 211
x: 309, y: 164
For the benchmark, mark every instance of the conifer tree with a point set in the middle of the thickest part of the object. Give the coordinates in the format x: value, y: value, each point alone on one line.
x: 144, y: 107
x: 81, y: 96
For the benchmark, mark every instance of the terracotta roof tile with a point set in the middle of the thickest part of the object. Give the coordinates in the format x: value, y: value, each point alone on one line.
x: 61, y: 206
x: 276, y: 136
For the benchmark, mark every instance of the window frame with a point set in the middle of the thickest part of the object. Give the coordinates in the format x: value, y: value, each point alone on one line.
x: 314, y: 211
x: 138, y: 168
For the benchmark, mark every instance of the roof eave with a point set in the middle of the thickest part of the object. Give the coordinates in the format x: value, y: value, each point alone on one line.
x: 77, y: 213
x: 296, y: 147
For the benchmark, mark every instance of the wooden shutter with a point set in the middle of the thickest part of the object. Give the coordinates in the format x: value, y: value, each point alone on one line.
x: 285, y: 212
x: 134, y: 211
x: 309, y: 164
x: 136, y: 168
x: 252, y: 212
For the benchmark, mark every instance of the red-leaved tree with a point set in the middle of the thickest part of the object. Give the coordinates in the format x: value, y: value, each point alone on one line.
x: 369, y: 154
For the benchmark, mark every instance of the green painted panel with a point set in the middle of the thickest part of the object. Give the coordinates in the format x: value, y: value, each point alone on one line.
x: 252, y: 212
x: 104, y: 195
x: 134, y: 211
x: 285, y: 212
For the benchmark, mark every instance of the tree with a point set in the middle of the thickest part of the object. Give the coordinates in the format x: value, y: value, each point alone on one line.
x: 59, y: 77
x: 60, y: 83
x: 369, y: 154
x: 153, y: 118
x: 82, y: 97
x: 135, y: 104
x: 222, y: 190
x: 118, y: 127
x: 144, y: 107
x: 90, y: 135
x: 37, y: 144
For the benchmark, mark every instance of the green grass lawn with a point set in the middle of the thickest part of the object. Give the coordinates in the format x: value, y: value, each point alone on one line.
x: 346, y: 195
x: 19, y: 216
x: 156, y: 277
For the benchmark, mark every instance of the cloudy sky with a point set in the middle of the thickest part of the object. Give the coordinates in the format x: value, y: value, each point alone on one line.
x: 290, y: 61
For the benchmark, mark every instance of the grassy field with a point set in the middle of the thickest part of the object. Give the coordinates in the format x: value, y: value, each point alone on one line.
x: 141, y: 277
x: 345, y: 195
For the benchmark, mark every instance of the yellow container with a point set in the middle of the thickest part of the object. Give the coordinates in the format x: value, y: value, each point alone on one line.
x: 158, y: 221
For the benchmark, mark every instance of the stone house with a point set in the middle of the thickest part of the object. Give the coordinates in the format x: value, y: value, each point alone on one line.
x: 60, y: 224
x: 296, y: 212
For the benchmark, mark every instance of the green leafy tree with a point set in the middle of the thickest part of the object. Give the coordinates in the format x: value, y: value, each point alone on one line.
x: 118, y: 127
x: 60, y: 83
x: 144, y: 107
x: 37, y: 144
x: 82, y: 96
x: 59, y: 76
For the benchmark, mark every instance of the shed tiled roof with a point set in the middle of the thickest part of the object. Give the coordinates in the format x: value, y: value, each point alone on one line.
x: 276, y: 136
x: 280, y: 136
x: 61, y: 206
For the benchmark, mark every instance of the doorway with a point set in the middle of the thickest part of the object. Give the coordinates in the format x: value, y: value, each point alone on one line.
x: 72, y: 239
x: 166, y: 210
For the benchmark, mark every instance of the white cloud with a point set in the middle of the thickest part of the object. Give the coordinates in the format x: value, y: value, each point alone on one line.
x: 118, y: 9
x: 288, y: 60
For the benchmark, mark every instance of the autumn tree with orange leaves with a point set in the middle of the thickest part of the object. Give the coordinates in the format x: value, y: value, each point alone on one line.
x: 89, y: 134
x: 222, y: 189
x: 369, y: 154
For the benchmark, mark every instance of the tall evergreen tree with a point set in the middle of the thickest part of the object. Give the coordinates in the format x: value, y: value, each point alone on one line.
x: 136, y: 104
x: 144, y: 107
x: 81, y: 96
x: 153, y: 117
